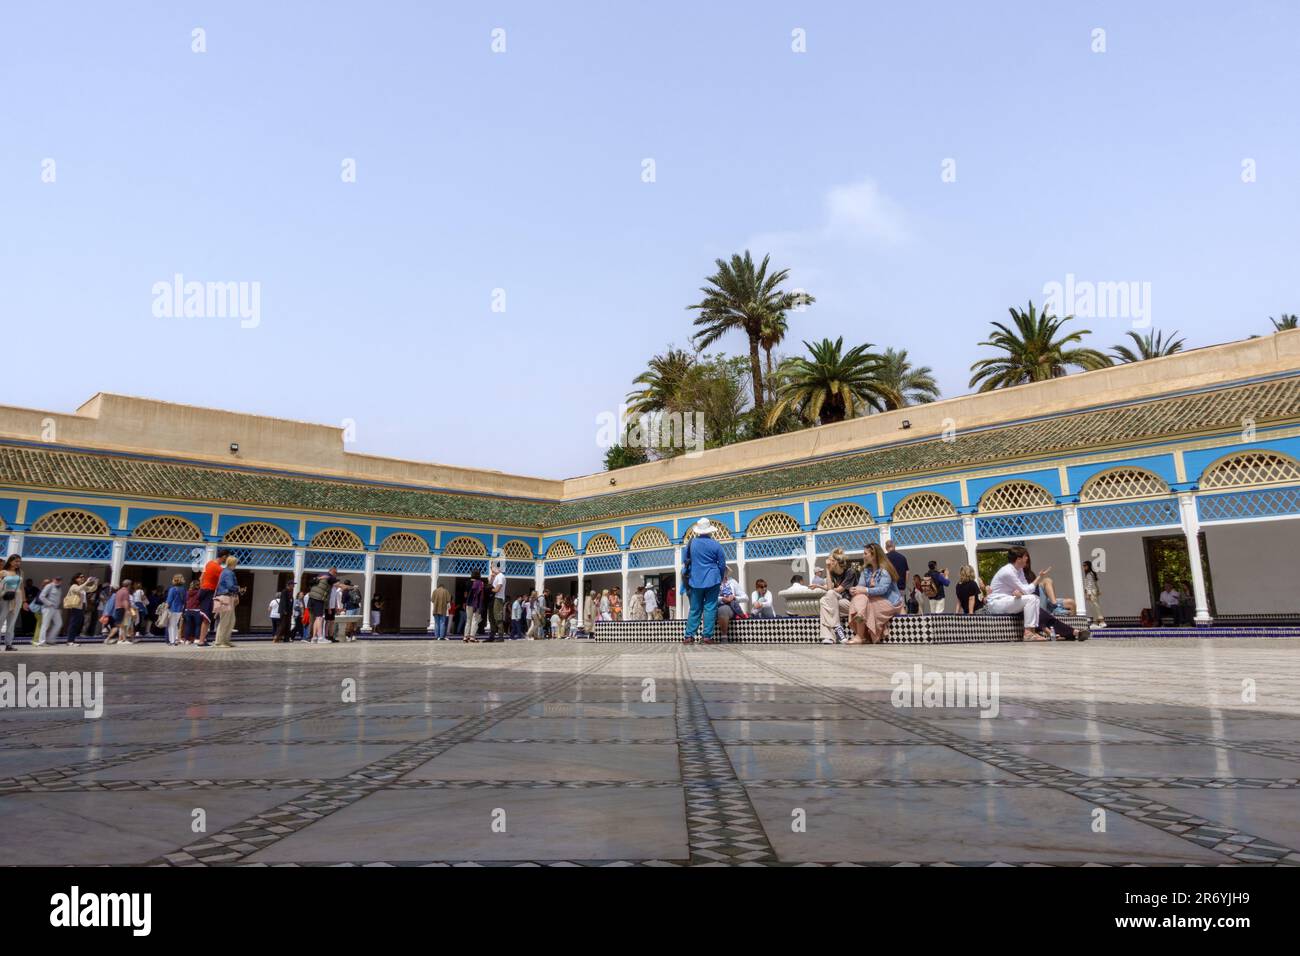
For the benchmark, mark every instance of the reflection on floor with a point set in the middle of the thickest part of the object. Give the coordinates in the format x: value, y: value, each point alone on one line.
x: 1151, y: 752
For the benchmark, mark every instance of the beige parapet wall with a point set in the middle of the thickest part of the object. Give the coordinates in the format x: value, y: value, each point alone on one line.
x: 1266, y: 355
x: 138, y: 425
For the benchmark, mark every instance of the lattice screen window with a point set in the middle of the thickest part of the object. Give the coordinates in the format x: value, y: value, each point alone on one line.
x: 602, y: 544
x: 923, y: 506
x: 336, y: 539
x: 560, y: 549
x: 258, y: 533
x: 464, y: 548
x: 648, y: 538
x: 1251, y: 468
x: 720, y: 532
x: 517, y: 551
x: 70, y: 522
x: 1122, y: 483
x: 168, y: 528
x: 774, y: 524
x: 403, y: 542
x: 1015, y: 496
x: 844, y: 516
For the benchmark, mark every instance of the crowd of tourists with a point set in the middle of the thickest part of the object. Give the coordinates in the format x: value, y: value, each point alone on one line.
x: 481, y: 610
x: 194, y: 612
x: 860, y: 597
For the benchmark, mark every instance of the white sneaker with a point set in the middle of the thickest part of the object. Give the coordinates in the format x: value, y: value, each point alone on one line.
x: 829, y: 640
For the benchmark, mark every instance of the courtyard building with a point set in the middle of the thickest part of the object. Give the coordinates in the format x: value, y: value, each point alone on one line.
x: 1182, y: 469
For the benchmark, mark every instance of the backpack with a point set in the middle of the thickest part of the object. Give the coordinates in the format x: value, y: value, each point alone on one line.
x: 273, y: 609
x: 928, y: 587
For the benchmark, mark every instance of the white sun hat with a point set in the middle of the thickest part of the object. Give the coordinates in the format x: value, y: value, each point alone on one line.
x: 703, y: 526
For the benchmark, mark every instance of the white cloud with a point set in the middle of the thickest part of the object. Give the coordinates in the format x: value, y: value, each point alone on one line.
x: 860, y: 211
x: 852, y: 214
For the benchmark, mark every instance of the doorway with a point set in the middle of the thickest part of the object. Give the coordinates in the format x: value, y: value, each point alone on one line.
x: 388, y: 589
x: 1167, y: 560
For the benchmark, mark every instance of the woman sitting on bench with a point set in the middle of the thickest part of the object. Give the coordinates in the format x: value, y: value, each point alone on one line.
x: 835, y: 602
x: 876, y: 598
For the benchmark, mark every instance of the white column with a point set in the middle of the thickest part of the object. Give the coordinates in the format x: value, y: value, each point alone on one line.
x: 16, y: 543
x: 740, y: 568
x: 1070, y: 513
x: 810, y: 554
x: 678, y: 583
x: 299, y: 564
x: 582, y: 592
x: 539, y: 576
x: 623, y: 592
x: 433, y: 586
x: 969, y: 539
x: 884, y: 533
x: 1191, y: 530
x: 119, y: 558
x: 369, y: 593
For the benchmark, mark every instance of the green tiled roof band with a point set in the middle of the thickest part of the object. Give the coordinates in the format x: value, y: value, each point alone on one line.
x: 1150, y: 420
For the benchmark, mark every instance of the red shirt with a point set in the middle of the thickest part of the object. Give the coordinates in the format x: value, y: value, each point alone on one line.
x: 211, y: 574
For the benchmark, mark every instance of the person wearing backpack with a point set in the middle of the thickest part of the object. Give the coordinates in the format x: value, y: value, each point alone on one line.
x: 316, y: 598
x: 934, y: 582
x: 273, y: 611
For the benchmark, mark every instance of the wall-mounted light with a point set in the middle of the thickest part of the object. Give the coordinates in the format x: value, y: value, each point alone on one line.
x: 612, y: 481
x: 906, y: 424
x: 234, y: 448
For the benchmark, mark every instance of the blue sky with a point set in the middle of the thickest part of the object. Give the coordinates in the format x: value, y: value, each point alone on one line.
x: 522, y: 171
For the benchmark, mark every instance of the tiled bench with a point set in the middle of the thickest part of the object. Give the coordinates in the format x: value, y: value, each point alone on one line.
x: 906, y: 629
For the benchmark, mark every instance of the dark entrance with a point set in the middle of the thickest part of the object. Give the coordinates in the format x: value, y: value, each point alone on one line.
x: 244, y: 609
x: 388, y: 589
x: 1167, y: 560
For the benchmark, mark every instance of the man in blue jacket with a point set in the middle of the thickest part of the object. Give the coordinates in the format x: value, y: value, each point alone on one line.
x: 704, y: 566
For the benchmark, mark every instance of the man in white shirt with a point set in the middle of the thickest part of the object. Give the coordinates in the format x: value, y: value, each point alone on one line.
x: 761, y: 601
x: 1169, y: 601
x: 1009, y: 592
x: 651, y: 604
x: 497, y: 609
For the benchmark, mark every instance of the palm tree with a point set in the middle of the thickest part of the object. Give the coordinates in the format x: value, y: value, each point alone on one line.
x: 1033, y: 352
x: 1149, y: 346
x: 738, y: 296
x: 661, y: 382
x: 910, y: 385
x: 1284, y: 323
x: 831, y: 384
x: 772, y: 334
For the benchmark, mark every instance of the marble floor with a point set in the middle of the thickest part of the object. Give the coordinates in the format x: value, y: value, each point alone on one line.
x: 564, y: 753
